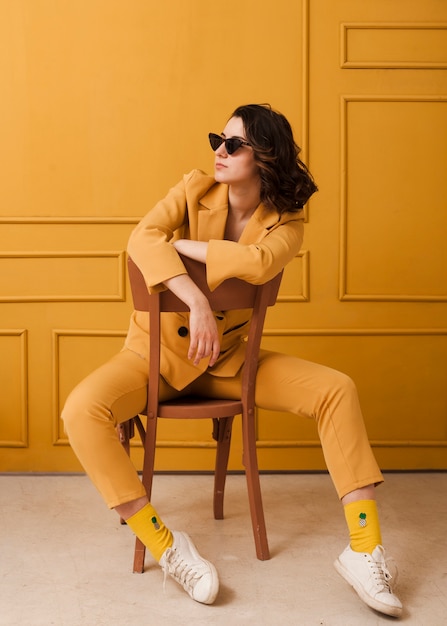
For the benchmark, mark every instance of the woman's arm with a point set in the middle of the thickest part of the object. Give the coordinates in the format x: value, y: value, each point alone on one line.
x: 257, y: 262
x: 204, y: 339
x: 196, y: 250
x: 150, y: 243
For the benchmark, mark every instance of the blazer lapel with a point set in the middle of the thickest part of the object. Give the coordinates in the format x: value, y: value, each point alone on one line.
x: 258, y: 225
x: 212, y: 214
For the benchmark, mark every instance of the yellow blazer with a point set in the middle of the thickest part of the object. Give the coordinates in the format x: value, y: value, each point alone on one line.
x: 196, y: 208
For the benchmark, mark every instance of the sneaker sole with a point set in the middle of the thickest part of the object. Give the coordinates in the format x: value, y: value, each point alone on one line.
x: 393, y: 611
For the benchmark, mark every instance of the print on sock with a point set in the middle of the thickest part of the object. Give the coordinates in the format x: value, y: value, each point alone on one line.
x: 362, y: 520
x: 155, y: 523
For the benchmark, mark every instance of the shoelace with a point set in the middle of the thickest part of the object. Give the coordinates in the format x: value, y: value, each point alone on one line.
x: 180, y: 571
x: 387, y: 573
x: 381, y: 574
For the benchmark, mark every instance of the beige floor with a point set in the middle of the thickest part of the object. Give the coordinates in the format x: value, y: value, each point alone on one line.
x: 66, y: 561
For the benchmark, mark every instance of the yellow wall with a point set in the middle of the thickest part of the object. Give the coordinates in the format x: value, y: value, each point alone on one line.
x: 104, y: 104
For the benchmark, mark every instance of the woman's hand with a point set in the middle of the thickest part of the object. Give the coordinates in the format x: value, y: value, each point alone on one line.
x: 204, y: 338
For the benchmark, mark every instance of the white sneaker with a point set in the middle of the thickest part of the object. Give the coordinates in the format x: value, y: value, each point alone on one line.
x: 371, y: 579
x: 185, y: 565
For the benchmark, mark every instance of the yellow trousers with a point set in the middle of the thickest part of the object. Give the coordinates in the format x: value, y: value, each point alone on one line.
x: 117, y: 391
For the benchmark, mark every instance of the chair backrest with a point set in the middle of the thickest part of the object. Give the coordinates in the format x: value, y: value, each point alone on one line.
x: 232, y: 294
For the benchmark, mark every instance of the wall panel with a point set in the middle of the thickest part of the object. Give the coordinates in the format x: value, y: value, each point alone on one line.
x: 394, y: 46
x: 87, y: 277
x: 393, y: 222
x: 14, y: 396
x: 76, y: 353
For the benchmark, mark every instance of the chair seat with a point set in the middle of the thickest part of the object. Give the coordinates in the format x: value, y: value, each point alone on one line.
x: 199, y: 407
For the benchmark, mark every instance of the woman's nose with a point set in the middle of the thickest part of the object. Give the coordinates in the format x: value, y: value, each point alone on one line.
x: 221, y: 150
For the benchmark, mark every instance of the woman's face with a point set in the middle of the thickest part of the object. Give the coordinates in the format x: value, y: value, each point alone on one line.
x: 238, y: 168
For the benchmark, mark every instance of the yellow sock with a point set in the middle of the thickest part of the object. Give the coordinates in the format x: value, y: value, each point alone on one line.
x: 149, y: 528
x: 363, y: 523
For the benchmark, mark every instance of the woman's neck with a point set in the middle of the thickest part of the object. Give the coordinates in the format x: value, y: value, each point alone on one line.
x: 241, y: 206
x: 242, y: 202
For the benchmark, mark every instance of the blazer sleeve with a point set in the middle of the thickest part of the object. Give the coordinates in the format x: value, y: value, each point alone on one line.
x: 256, y: 262
x: 150, y: 243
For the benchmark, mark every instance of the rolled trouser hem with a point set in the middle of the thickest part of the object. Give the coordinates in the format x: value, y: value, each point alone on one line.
x: 375, y: 480
x: 118, y: 500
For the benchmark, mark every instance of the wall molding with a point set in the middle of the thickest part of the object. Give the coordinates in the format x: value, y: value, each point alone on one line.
x: 354, y: 332
x: 119, y: 256
x: 59, y: 438
x: 375, y: 443
x: 23, y: 440
x: 349, y: 27
x: 45, y: 220
x: 344, y: 295
x: 305, y: 281
x: 305, y: 91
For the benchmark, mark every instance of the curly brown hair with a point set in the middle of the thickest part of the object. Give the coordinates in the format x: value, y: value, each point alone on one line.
x: 286, y: 183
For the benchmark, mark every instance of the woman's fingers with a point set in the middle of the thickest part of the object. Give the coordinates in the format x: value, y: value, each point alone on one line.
x: 204, y: 342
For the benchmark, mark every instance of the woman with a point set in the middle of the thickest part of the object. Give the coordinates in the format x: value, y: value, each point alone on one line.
x: 246, y: 221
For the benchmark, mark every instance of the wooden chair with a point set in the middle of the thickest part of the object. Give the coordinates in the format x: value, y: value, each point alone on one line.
x: 232, y: 294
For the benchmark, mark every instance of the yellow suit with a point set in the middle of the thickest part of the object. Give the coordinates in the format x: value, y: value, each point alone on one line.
x: 197, y: 209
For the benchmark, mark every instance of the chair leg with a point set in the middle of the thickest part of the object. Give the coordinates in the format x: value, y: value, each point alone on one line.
x: 126, y: 432
x: 148, y: 474
x: 149, y: 455
x: 138, y: 557
x: 222, y: 434
x: 250, y: 461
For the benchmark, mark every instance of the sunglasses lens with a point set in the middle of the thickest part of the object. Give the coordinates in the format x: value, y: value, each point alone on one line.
x: 215, y: 141
x: 232, y: 144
